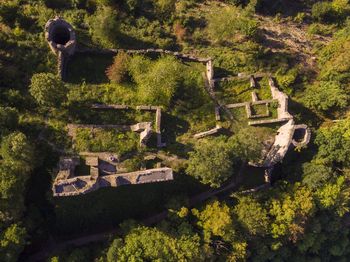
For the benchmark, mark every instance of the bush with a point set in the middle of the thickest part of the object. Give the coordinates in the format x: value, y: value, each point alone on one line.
x: 8, y: 119
x: 118, y: 71
x: 315, y: 174
x: 286, y: 79
x: 323, y: 12
x: 8, y: 12
x: 165, y: 6
x: 300, y: 17
x: 157, y: 82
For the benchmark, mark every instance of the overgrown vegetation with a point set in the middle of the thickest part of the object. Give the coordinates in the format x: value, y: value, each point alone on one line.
x: 302, y: 217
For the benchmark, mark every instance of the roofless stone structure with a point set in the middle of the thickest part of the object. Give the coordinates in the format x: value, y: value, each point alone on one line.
x: 67, y: 184
x: 62, y: 41
x: 60, y: 36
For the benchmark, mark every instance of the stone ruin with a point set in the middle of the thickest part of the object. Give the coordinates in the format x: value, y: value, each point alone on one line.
x: 143, y: 128
x: 61, y: 38
x: 103, y: 169
x: 67, y: 184
x: 285, y: 136
x: 62, y: 41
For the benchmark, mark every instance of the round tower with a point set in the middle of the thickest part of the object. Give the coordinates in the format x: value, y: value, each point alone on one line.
x: 60, y: 36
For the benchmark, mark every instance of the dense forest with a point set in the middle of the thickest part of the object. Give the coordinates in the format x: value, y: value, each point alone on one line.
x: 302, y: 216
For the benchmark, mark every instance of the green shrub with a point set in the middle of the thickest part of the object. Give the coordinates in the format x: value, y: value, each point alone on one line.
x: 329, y: 12
x: 157, y: 82
x: 300, y: 17
x: 341, y: 7
x: 286, y: 79
x: 323, y: 12
x: 165, y: 6
x: 321, y: 29
x: 211, y: 162
x: 142, y: 32
x: 8, y: 12
x: 335, y: 61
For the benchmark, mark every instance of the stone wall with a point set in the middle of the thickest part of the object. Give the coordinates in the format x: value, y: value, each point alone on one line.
x: 84, y: 184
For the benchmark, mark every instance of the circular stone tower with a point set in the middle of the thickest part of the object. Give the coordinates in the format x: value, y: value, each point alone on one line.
x: 60, y: 36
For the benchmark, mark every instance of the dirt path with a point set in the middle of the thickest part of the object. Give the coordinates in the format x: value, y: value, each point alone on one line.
x: 54, y: 246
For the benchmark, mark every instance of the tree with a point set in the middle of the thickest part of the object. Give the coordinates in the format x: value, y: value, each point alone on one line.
x: 252, y: 216
x: 246, y: 144
x: 8, y: 119
x: 150, y: 244
x: 211, y: 162
x: 291, y: 212
x: 118, y: 71
x: 334, y: 142
x: 326, y: 95
x: 316, y: 174
x: 18, y: 158
x: 48, y: 89
x: 323, y: 12
x: 215, y: 220
x: 16, y: 148
x: 334, y: 195
x: 12, y: 241
x: 104, y: 26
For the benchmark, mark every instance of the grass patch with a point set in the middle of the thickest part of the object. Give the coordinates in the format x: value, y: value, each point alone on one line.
x: 109, y: 140
x: 259, y: 109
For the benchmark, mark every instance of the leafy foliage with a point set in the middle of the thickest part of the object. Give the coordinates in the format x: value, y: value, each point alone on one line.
x: 47, y: 89
x: 215, y: 220
x: 291, y: 213
x: 143, y: 243
x: 159, y: 82
x: 326, y: 95
x: 211, y: 162
x: 334, y: 142
x: 252, y: 215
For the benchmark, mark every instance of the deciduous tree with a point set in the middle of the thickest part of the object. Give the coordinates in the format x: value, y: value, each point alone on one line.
x: 48, y: 89
x: 211, y: 162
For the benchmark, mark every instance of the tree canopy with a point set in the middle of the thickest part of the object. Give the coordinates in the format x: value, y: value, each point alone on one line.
x: 47, y: 89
